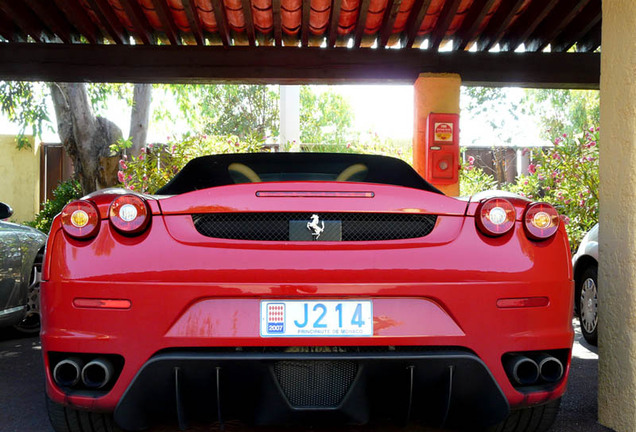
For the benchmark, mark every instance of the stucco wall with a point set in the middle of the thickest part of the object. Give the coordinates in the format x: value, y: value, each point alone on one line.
x: 617, y: 242
x: 20, y: 183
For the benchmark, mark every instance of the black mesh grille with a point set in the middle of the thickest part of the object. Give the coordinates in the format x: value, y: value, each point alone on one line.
x: 315, y: 383
x: 275, y: 226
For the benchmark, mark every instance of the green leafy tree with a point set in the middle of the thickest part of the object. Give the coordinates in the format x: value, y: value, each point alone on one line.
x: 325, y: 117
x: 85, y: 135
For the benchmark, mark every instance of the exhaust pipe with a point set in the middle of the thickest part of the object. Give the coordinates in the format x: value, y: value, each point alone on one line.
x: 67, y: 372
x: 550, y: 368
x: 523, y: 370
x: 97, y: 373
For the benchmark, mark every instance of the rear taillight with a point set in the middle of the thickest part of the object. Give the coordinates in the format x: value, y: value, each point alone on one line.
x: 129, y: 214
x: 541, y: 221
x: 495, y: 217
x: 80, y: 219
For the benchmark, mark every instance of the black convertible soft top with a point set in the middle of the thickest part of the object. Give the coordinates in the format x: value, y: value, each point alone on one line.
x: 226, y: 169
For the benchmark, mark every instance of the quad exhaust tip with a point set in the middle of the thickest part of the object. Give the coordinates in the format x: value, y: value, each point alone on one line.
x: 67, y: 372
x: 97, y: 373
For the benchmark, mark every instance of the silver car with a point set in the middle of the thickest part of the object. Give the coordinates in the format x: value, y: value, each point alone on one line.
x: 585, y: 265
x: 21, y: 254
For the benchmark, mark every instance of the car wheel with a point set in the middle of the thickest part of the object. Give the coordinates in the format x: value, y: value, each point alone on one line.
x: 587, y: 295
x: 66, y: 419
x: 532, y: 419
x: 30, y: 323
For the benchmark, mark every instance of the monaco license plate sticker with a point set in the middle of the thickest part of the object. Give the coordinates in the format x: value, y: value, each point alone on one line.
x: 324, y: 318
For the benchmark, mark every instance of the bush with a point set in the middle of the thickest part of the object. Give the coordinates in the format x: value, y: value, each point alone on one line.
x: 64, y: 193
x: 473, y: 179
x: 157, y: 164
x: 566, y: 176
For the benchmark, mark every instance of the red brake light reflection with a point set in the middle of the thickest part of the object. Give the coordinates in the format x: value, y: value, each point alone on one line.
x: 102, y: 303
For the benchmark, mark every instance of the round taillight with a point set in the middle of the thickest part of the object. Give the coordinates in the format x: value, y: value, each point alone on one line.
x: 495, y: 216
x: 129, y: 214
x: 80, y: 219
x: 541, y: 221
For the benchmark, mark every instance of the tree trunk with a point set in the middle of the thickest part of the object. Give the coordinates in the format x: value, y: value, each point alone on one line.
x: 140, y: 116
x: 87, y: 138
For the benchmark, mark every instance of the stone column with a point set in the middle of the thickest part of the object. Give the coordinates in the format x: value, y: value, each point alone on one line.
x: 433, y: 93
x: 617, y: 269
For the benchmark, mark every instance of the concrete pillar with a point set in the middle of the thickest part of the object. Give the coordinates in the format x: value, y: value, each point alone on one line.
x: 433, y: 93
x: 617, y: 269
x: 290, y: 118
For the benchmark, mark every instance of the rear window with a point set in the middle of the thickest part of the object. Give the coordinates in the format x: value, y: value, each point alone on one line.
x: 226, y: 169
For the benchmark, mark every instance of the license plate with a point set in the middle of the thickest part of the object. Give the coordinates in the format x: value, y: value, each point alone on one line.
x: 321, y: 318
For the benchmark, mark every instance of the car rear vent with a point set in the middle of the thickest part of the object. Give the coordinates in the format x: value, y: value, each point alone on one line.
x: 315, y: 383
x: 287, y: 226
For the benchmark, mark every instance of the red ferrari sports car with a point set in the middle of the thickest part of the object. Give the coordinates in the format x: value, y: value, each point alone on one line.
x: 282, y: 289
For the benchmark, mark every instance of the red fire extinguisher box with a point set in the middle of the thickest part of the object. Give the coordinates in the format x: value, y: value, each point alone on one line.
x: 442, y: 148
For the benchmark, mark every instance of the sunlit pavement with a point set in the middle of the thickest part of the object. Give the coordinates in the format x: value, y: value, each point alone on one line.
x: 22, y: 407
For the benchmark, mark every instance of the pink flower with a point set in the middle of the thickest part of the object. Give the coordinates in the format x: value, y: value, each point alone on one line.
x: 525, y: 182
x: 471, y: 160
x: 120, y: 176
x: 131, y: 187
x: 556, y: 156
x: 143, y: 149
x: 150, y: 146
x: 525, y: 151
x: 145, y: 178
x: 592, y: 144
x: 129, y: 177
x: 547, y: 188
x: 141, y: 156
x: 565, y: 135
x: 565, y: 219
x: 532, y: 168
x: 125, y: 157
x: 122, y: 164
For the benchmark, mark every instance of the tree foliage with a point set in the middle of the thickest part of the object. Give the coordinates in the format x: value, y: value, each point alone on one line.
x: 25, y: 104
x: 325, y: 117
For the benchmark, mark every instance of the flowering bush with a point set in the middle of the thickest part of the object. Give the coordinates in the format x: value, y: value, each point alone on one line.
x: 566, y: 176
x: 473, y: 179
x: 157, y: 164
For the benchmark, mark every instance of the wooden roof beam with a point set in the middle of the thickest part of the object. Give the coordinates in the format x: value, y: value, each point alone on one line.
x: 278, y: 21
x: 221, y: 22
x: 443, y: 22
x: 472, y: 22
x: 388, y: 21
x: 285, y: 65
x: 109, y: 20
x: 21, y: 15
x: 249, y: 21
x: 193, y: 20
x: 79, y: 18
x: 527, y: 23
x: 51, y: 16
x: 304, y: 24
x: 361, y: 22
x: 140, y: 23
x: 8, y: 30
x: 420, y: 7
x: 589, y: 17
x: 554, y: 24
x: 498, y: 24
x: 161, y: 7
x: 333, y: 23
x: 591, y: 41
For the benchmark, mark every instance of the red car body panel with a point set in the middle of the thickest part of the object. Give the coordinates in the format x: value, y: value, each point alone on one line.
x: 188, y: 290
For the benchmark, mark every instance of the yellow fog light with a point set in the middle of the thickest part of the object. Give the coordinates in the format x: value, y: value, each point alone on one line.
x: 79, y: 218
x: 541, y: 220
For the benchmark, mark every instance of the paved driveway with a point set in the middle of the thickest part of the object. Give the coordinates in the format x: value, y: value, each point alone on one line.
x: 22, y: 390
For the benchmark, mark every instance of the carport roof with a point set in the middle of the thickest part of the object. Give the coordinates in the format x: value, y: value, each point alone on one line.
x: 302, y: 40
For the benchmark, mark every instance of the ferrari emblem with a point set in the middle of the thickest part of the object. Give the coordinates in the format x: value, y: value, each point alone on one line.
x: 314, y: 227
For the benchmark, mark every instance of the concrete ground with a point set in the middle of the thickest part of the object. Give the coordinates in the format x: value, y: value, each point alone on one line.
x: 22, y: 407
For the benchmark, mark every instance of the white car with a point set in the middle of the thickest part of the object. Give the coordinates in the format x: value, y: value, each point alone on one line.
x: 585, y: 265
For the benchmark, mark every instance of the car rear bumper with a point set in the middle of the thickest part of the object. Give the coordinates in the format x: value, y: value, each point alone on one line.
x: 436, y: 387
